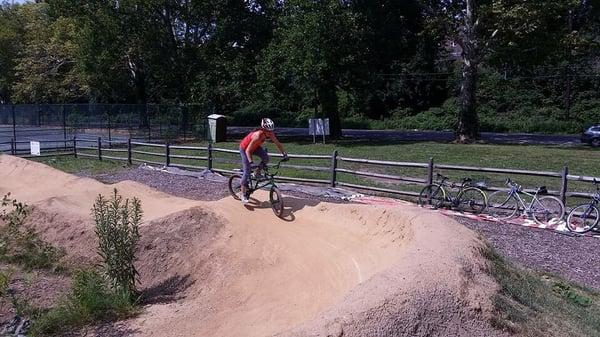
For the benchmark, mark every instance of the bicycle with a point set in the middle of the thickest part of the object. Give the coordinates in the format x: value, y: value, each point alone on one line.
x: 585, y: 217
x: 256, y: 182
x: 469, y: 198
x: 504, y: 205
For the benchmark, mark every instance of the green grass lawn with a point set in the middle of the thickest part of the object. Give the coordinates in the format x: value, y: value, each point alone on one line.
x: 581, y: 160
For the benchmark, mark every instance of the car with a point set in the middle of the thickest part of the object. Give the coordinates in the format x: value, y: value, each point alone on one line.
x: 591, y: 135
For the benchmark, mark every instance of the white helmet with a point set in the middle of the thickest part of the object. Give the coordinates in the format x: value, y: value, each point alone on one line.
x: 267, y: 124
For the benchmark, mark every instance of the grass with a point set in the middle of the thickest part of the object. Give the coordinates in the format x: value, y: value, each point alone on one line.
x: 533, y: 304
x: 71, y: 164
x: 91, y: 299
x: 581, y: 160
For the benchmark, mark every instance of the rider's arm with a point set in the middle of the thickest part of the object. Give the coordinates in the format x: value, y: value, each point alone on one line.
x: 278, y: 144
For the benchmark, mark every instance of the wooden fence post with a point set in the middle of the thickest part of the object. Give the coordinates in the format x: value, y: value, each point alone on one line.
x: 99, y: 148
x: 129, y: 161
x: 168, y: 154
x: 210, y: 157
x: 12, y: 146
x: 563, y: 185
x: 75, y: 146
x: 430, y: 172
x: 334, y: 168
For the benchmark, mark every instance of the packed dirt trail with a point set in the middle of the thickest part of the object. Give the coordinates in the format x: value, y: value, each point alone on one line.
x: 222, y: 269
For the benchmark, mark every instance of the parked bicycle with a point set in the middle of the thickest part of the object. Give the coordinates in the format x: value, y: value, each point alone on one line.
x: 585, y: 217
x: 259, y: 181
x: 468, y: 198
x: 504, y: 205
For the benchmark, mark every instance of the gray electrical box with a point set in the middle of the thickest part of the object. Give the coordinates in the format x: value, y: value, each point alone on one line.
x: 217, y: 128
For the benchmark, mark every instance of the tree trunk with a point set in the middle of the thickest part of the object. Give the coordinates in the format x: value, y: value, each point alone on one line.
x: 468, y: 122
x: 329, y: 108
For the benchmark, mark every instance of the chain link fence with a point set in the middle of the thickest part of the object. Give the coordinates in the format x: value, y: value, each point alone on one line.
x: 114, y: 122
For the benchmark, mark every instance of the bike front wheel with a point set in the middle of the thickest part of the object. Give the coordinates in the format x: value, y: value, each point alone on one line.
x: 472, y: 200
x: 501, y: 205
x: 432, y: 196
x: 235, y: 186
x: 583, y: 218
x: 276, y: 201
x: 546, y: 209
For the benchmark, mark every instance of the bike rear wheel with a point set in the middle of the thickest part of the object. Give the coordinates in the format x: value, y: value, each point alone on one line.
x: 432, y: 196
x: 583, y: 218
x: 547, y: 208
x: 235, y: 186
x: 472, y: 200
x: 276, y: 201
x: 502, y: 205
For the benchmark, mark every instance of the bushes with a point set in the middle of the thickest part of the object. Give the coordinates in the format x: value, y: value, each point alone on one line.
x: 92, y: 299
x: 117, y: 227
x: 20, y: 243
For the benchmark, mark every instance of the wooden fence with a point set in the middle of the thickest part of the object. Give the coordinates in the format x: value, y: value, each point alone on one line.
x: 129, y: 152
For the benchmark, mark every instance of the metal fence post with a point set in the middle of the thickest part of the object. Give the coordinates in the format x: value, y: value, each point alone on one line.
x: 210, y: 157
x: 99, y: 148
x: 430, y: 172
x: 64, y: 122
x: 334, y: 168
x: 563, y: 185
x: 12, y: 146
x: 129, y: 161
x: 75, y: 146
x: 14, y: 120
x: 168, y: 154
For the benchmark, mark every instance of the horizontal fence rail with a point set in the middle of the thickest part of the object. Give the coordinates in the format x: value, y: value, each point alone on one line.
x: 204, y: 158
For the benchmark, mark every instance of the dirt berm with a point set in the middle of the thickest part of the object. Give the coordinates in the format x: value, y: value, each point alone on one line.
x: 222, y: 269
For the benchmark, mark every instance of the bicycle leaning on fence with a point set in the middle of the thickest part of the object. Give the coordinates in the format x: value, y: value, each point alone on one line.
x: 256, y: 182
x: 468, y: 198
x: 585, y: 217
x: 504, y: 204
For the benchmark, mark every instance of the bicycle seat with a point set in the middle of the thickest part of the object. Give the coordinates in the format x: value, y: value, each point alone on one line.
x: 542, y: 190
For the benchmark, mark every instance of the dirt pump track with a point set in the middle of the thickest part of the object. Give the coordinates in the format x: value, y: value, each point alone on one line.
x: 219, y: 269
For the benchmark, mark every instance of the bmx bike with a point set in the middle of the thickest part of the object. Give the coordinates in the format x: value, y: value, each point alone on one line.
x: 260, y: 181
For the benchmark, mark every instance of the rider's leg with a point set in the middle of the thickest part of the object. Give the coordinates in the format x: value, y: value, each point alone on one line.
x: 245, y: 175
x: 264, y: 157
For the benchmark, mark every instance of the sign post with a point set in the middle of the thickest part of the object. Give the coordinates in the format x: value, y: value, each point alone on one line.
x: 318, y: 126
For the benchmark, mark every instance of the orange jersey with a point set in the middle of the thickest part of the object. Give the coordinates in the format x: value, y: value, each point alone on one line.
x: 248, y: 139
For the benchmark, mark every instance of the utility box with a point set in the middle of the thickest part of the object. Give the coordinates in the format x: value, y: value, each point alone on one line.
x: 217, y: 128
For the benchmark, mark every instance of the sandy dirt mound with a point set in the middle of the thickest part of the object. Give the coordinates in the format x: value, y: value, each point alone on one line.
x: 222, y: 269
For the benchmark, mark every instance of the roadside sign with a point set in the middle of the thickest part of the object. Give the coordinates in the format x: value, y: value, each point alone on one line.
x: 35, y: 148
x: 318, y: 127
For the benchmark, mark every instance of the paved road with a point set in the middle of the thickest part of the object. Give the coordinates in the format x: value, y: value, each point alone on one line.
x: 53, y: 136
x: 435, y: 136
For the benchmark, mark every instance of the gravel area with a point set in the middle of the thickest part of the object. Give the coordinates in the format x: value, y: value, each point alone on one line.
x: 571, y: 257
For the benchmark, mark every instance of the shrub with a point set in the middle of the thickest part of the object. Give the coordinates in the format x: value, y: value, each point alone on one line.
x: 92, y: 299
x: 117, y: 227
x: 19, y: 242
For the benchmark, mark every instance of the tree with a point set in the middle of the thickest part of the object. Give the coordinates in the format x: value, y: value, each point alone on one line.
x: 47, y: 69
x: 11, y: 43
x: 315, y: 46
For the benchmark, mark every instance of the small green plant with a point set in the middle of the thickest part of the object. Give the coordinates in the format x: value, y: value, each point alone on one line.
x: 19, y: 242
x: 5, y: 277
x: 92, y: 299
x: 117, y: 227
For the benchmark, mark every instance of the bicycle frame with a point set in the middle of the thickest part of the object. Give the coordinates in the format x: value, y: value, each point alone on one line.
x: 516, y: 193
x: 255, y: 184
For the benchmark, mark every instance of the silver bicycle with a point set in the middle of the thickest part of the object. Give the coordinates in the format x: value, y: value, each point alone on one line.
x: 504, y: 205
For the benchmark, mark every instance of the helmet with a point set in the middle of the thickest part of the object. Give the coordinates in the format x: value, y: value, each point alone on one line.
x: 267, y: 124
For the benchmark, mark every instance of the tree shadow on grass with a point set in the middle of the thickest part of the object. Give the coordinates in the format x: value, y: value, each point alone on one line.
x: 166, y: 291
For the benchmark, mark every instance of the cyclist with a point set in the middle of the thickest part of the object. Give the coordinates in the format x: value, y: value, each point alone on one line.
x: 252, y: 145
